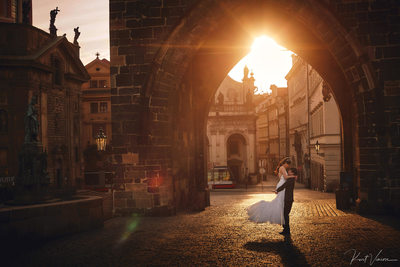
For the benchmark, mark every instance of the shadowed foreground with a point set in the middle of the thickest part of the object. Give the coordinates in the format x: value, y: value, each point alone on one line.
x: 221, y: 235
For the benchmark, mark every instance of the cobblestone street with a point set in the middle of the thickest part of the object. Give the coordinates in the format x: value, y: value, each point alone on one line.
x: 222, y: 235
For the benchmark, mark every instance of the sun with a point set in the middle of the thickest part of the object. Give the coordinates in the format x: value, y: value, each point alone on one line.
x: 268, y: 61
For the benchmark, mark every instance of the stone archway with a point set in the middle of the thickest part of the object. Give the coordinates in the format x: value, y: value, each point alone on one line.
x: 197, y: 54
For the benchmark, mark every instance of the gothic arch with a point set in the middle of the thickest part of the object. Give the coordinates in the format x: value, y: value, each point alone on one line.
x: 170, y: 67
x: 306, y: 27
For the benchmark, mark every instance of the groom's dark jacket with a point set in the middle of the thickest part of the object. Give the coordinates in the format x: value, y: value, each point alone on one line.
x: 289, y: 186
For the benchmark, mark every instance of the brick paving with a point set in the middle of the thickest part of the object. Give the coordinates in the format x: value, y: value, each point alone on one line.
x: 222, y: 236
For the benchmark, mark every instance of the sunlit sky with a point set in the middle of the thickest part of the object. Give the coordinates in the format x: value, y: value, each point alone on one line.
x: 91, y: 17
x: 269, y: 61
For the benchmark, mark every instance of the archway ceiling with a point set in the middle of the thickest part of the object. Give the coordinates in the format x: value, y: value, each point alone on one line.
x: 223, y: 47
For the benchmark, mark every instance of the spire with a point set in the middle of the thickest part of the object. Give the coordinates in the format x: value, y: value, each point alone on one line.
x: 245, y: 72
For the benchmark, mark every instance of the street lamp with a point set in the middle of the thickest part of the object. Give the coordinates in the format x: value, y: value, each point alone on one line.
x: 101, y: 140
x: 317, y: 147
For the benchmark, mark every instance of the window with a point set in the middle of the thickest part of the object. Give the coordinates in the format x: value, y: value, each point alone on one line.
x: 3, y: 121
x: 3, y: 162
x: 93, y: 83
x: 76, y: 154
x: 103, y: 107
x: 317, y: 123
x: 3, y: 97
x: 94, y: 107
x: 5, y: 9
x: 102, y: 83
x: 58, y: 75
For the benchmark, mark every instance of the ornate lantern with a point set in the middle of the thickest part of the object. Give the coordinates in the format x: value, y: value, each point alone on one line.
x: 101, y: 140
x: 317, y: 147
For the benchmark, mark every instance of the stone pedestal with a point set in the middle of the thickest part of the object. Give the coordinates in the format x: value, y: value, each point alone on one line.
x: 32, y: 180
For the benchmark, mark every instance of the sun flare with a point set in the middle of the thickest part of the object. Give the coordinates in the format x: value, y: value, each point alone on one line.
x: 268, y: 61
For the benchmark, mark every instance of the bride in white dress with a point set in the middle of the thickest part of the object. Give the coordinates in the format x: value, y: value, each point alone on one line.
x: 272, y: 211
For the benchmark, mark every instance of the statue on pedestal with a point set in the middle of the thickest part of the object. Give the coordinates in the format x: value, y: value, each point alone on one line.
x: 77, y: 33
x: 53, y: 14
x: 220, y: 99
x: 32, y: 177
x: 31, y: 122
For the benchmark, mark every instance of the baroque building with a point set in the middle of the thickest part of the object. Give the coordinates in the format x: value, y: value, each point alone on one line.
x: 231, y: 130
x: 34, y: 63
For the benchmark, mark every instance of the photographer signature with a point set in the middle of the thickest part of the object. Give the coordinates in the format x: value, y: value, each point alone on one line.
x: 368, y: 258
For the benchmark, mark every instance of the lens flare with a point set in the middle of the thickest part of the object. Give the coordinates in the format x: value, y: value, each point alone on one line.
x: 130, y: 228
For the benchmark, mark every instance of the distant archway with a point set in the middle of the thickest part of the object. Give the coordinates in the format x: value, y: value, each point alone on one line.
x: 237, y: 157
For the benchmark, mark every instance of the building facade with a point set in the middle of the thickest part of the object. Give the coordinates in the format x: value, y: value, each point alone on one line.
x: 272, y: 128
x: 96, y: 117
x: 231, y: 128
x: 325, y: 129
x: 298, y: 118
x: 313, y: 116
x: 96, y: 102
x: 34, y: 63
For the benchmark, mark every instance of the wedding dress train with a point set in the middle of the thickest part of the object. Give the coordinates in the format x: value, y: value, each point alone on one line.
x: 269, y: 211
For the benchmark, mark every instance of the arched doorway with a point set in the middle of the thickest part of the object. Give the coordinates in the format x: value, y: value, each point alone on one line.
x: 204, y: 46
x: 237, y: 157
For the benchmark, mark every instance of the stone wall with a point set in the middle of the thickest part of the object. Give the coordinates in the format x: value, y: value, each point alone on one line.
x: 155, y: 44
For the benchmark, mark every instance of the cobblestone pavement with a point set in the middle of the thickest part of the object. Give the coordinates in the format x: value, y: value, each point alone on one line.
x: 221, y: 235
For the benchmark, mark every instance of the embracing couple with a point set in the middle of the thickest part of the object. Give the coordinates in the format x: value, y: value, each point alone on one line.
x: 277, y: 210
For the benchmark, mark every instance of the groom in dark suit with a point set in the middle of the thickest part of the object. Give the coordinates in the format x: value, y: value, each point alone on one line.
x: 289, y: 186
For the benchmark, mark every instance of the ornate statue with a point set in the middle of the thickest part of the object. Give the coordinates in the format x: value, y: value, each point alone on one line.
x: 220, y: 99
x: 53, y: 14
x: 26, y: 12
x: 77, y: 33
x: 31, y: 122
x: 326, y: 92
